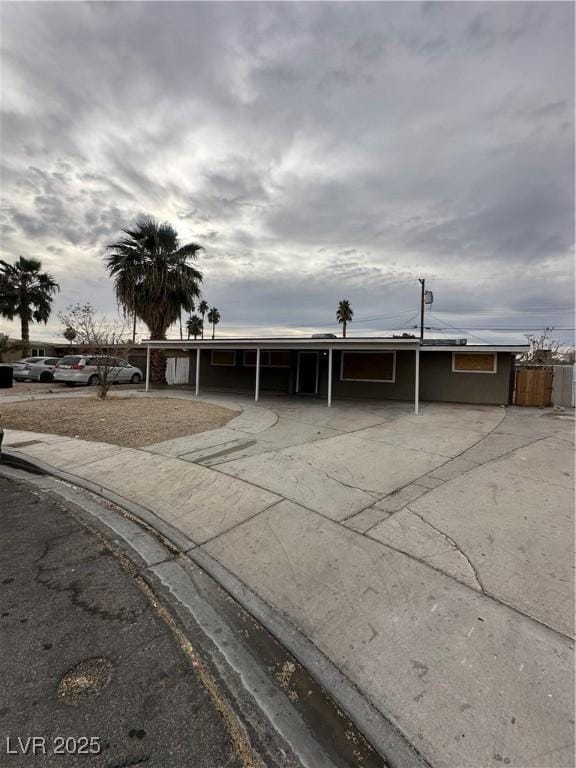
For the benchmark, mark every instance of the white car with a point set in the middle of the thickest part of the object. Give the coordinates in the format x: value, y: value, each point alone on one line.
x: 34, y: 369
x: 84, y: 369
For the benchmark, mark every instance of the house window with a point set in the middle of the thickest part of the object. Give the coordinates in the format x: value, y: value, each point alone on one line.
x: 474, y: 362
x: 280, y: 358
x: 269, y: 358
x: 38, y: 352
x: 224, y: 357
x: 368, y: 366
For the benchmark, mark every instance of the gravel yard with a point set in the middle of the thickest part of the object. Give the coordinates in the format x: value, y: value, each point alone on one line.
x: 130, y: 422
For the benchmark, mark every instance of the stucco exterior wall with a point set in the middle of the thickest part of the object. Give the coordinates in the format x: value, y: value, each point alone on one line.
x: 401, y: 389
x: 438, y: 381
x: 239, y: 378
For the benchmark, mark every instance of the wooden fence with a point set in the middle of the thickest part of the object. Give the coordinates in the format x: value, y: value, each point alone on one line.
x: 534, y: 387
x: 564, y: 388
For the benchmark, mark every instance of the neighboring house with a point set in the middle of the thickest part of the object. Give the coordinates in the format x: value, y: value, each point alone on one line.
x: 375, y: 368
x: 37, y: 349
x: 135, y: 355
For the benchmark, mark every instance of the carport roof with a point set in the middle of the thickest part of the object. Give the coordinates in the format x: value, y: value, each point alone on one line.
x: 353, y: 343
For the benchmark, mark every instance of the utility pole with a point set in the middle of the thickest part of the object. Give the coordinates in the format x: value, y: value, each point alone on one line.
x: 423, y: 284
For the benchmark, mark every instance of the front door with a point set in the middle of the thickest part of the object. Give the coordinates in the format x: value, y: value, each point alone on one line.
x: 307, y: 377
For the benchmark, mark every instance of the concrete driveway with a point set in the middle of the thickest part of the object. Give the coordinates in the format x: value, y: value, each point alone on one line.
x: 429, y: 557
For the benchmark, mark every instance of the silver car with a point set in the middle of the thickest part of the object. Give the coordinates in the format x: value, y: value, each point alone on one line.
x: 34, y: 369
x: 84, y: 369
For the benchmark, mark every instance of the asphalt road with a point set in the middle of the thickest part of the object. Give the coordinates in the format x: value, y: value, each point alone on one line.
x: 88, y: 667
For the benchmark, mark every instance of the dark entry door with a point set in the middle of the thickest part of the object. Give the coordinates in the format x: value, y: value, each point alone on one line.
x: 307, y: 373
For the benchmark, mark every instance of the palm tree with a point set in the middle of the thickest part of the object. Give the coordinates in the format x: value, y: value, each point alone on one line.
x: 214, y: 319
x: 344, y: 314
x: 27, y: 293
x: 203, y: 308
x: 180, y: 319
x: 194, y: 326
x: 154, y: 279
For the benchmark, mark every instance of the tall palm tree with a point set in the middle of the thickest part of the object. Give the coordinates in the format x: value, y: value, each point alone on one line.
x: 194, y: 326
x: 180, y: 319
x: 26, y: 292
x: 154, y: 279
x: 203, y: 308
x: 344, y: 314
x: 213, y: 319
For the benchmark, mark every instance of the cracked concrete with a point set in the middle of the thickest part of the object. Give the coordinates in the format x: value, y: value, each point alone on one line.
x: 409, y: 532
x: 397, y: 544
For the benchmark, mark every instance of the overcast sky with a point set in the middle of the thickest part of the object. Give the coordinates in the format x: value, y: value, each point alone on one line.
x: 318, y: 151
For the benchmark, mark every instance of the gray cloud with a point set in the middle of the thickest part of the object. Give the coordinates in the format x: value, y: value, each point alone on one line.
x: 316, y: 150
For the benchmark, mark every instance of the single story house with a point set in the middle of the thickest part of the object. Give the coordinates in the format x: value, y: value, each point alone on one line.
x: 328, y: 367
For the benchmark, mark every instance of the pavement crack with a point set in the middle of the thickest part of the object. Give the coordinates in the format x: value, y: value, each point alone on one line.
x: 376, y: 494
x: 454, y: 547
x: 48, y: 577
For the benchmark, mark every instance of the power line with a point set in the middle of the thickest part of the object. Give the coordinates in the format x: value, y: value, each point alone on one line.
x: 316, y: 323
x: 484, y: 341
x: 508, y: 313
x: 517, y: 328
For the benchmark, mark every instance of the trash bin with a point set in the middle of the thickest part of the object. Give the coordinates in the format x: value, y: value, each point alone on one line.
x: 5, y: 376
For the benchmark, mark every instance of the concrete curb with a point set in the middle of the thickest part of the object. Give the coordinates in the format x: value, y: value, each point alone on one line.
x: 171, y: 534
x: 380, y: 731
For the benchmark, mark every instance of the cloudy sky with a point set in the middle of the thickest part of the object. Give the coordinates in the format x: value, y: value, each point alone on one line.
x: 318, y: 151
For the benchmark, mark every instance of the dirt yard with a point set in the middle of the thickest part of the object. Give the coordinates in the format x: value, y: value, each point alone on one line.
x: 130, y: 422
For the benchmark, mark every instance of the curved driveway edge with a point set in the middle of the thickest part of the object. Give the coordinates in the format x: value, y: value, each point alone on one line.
x: 352, y: 540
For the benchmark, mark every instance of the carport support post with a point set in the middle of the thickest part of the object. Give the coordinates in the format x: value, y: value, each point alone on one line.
x: 257, y: 391
x: 147, y: 368
x: 417, y: 382
x: 197, y: 392
x: 329, y: 377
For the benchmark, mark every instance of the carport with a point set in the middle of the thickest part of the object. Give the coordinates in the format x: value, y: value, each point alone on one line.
x: 365, y: 361
x: 353, y: 368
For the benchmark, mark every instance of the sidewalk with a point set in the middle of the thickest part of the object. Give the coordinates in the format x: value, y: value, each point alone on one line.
x: 421, y: 597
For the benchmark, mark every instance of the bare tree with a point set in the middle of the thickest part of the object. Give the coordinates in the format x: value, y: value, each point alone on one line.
x: 81, y: 320
x: 543, y: 348
x: 98, y: 337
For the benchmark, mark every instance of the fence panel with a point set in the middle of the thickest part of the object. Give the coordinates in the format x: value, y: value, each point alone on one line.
x: 534, y: 387
x: 563, y: 387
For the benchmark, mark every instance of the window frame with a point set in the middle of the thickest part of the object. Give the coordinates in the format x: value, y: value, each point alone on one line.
x: 267, y: 352
x: 270, y: 365
x: 461, y: 370
x: 222, y: 365
x: 370, y: 352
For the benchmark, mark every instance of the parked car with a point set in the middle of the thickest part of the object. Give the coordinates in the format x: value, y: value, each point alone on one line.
x: 34, y: 369
x: 83, y: 369
x: 19, y: 364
